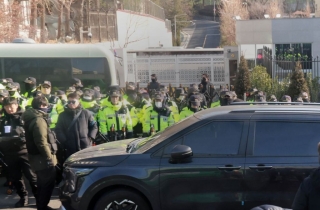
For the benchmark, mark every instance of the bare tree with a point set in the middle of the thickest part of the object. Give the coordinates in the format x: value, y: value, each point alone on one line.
x: 134, y: 24
x: 229, y: 10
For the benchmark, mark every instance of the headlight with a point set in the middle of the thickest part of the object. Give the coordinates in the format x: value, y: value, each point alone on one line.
x: 71, y: 176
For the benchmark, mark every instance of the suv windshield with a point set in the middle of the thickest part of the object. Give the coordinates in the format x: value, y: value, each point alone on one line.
x: 143, y: 144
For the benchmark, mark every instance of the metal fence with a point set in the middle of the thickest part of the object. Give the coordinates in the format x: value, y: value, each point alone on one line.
x: 144, y: 7
x: 282, y: 68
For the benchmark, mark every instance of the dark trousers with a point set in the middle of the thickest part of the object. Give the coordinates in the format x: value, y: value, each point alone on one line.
x: 46, y: 182
x: 18, y: 165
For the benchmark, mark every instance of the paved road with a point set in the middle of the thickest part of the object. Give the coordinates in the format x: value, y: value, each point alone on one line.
x: 205, y: 33
x: 8, y: 201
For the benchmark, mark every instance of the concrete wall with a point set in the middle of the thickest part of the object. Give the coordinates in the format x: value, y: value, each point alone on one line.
x: 279, y: 31
x: 137, y: 31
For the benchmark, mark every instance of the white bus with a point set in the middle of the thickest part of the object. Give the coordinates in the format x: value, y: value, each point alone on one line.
x: 58, y: 63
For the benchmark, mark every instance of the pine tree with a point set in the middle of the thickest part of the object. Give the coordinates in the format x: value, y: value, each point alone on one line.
x: 298, y: 83
x: 243, y: 78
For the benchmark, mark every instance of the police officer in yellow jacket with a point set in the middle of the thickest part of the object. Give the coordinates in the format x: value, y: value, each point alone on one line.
x: 30, y: 87
x: 115, y: 120
x: 157, y: 117
x: 53, y: 100
x: 193, y: 107
x: 13, y: 92
x: 88, y: 101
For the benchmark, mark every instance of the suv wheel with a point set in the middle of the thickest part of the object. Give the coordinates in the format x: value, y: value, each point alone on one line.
x: 121, y: 199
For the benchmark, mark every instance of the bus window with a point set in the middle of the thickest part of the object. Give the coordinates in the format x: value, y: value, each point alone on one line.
x: 91, y: 71
x: 20, y: 68
x: 56, y: 70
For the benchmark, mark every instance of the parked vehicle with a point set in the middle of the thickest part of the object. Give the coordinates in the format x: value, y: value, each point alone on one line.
x: 231, y: 157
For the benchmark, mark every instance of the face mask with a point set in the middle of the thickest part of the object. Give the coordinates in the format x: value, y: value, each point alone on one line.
x: 88, y: 98
x: 158, y: 104
x: 11, y: 93
x: 153, y: 80
x: 203, y: 79
x: 45, y: 110
x: 29, y: 87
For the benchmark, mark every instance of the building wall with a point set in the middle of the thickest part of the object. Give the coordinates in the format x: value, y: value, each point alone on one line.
x: 137, y: 31
x: 279, y: 31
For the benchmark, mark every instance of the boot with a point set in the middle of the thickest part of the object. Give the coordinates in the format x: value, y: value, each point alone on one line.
x: 22, y: 202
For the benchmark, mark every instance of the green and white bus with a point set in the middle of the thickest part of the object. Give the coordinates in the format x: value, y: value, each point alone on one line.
x: 58, y: 63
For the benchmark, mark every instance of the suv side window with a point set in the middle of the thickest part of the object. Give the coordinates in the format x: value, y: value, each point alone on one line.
x: 215, y: 138
x: 286, y: 138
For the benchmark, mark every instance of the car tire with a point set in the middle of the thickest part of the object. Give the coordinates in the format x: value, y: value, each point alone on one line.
x: 121, y: 199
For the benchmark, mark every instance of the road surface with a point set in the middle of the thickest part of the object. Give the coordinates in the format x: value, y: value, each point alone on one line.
x: 204, y: 33
x: 7, y: 201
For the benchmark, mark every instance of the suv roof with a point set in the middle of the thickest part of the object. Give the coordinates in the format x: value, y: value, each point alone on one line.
x: 209, y: 113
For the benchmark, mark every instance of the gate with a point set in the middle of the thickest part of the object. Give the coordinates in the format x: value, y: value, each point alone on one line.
x: 177, y: 70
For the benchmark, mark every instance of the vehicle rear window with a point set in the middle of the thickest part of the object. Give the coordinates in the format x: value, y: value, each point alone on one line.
x: 215, y: 138
x: 286, y: 138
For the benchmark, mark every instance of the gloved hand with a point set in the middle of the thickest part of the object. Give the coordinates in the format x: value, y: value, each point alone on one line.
x: 20, y: 131
x: 50, y: 163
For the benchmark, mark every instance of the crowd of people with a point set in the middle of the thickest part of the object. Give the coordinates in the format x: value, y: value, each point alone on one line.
x: 82, y: 117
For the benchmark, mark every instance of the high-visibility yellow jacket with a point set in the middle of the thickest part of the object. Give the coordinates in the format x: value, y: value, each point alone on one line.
x: 117, y: 115
x: 215, y: 104
x: 175, y: 111
x: 159, y: 120
x: 186, y: 112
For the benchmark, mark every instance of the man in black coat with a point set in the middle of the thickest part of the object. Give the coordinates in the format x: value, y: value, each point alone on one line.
x: 154, y: 85
x: 76, y: 127
x: 307, y: 197
x: 207, y: 89
x: 13, y: 146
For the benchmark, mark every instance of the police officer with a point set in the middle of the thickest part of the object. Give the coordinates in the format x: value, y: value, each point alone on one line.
x: 207, y: 89
x: 170, y: 103
x: 13, y: 92
x: 30, y: 86
x: 154, y: 85
x: 251, y: 94
x: 70, y: 90
x: 193, y: 107
x: 285, y: 98
x: 157, y: 117
x: 114, y: 120
x: 77, y: 83
x: 106, y: 101
x: 193, y: 90
x: 63, y: 99
x: 305, y: 97
x: 3, y: 94
x: 88, y: 101
x: 55, y: 106
x: 180, y: 98
x: 15, y: 150
x: 273, y: 98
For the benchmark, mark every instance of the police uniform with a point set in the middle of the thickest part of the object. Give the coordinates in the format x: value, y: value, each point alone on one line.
x: 188, y: 111
x: 115, y: 120
x: 15, y: 152
x: 158, y: 118
x: 30, y: 86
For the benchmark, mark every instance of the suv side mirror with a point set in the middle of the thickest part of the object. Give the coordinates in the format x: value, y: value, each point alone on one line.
x: 180, y: 153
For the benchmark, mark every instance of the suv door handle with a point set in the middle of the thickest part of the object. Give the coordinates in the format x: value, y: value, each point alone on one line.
x: 260, y: 168
x: 229, y: 168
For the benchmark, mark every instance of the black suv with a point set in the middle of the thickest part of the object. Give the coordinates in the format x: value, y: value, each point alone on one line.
x: 233, y: 157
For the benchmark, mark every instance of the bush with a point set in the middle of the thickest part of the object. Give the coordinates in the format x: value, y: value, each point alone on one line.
x: 313, y: 85
x: 243, y: 78
x: 260, y: 79
x: 297, y: 82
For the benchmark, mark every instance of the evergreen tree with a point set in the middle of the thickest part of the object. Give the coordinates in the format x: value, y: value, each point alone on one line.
x: 298, y: 83
x: 243, y: 78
